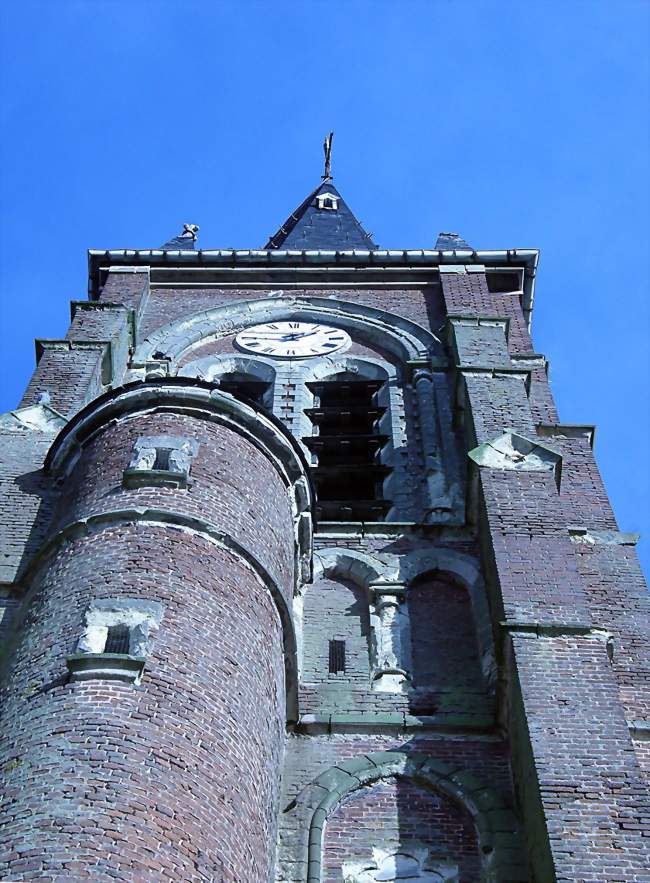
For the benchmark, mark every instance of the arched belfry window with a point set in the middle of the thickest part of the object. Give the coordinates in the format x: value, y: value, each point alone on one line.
x: 347, y: 445
x: 250, y: 380
x: 245, y: 387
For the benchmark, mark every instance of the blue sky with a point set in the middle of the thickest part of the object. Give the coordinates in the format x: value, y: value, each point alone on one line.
x: 516, y: 124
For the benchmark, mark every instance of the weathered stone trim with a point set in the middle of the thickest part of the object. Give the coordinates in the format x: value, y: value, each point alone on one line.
x: 469, y: 319
x: 514, y: 451
x: 491, y: 371
x: 359, y: 567
x: 398, y: 723
x: 213, y: 368
x: 33, y: 418
x: 168, y: 518
x: 404, y: 338
x: 567, y: 430
x: 497, y: 827
x: 123, y: 269
x: 358, y: 529
x: 106, y: 666
x: 640, y: 730
x: 592, y: 537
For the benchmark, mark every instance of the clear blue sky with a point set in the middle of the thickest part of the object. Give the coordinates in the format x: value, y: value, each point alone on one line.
x: 517, y: 124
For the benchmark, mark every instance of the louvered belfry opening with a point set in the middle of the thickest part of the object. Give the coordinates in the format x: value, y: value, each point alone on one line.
x: 349, y: 475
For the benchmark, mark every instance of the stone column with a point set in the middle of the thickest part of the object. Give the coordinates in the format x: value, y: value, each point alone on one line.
x: 434, y: 465
x: 391, y: 635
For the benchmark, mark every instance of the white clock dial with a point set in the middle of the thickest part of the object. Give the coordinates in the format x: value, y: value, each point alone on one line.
x: 292, y: 340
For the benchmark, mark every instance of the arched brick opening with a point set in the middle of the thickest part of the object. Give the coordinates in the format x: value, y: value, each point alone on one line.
x: 498, y: 838
x: 399, y: 824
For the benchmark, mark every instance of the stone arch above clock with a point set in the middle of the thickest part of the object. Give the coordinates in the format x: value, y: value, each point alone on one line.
x: 179, y: 341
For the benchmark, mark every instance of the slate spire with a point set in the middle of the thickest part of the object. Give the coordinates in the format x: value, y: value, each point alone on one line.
x: 323, y: 221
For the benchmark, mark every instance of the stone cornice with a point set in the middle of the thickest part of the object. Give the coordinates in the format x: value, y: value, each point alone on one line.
x: 267, y: 261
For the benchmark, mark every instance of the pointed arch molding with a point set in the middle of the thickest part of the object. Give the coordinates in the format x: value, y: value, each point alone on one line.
x: 403, y: 338
x: 499, y: 838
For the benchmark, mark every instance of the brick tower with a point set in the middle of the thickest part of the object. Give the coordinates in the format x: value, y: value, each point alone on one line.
x: 304, y: 580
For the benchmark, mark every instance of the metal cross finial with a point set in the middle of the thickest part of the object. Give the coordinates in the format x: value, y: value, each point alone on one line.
x: 327, y: 147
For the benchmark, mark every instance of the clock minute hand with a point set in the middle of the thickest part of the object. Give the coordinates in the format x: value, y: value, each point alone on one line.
x: 299, y: 335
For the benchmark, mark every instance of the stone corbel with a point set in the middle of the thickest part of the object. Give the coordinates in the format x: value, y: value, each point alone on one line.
x: 390, y: 638
x: 515, y: 452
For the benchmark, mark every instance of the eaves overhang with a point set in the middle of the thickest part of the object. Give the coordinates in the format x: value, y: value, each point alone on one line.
x: 269, y: 261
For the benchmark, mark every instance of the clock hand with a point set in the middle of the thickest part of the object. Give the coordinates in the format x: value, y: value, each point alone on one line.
x: 300, y: 335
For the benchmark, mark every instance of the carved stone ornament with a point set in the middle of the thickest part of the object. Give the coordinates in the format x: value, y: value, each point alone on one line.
x: 403, y: 863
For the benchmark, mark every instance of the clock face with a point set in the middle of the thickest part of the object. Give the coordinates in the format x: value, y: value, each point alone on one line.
x: 292, y: 340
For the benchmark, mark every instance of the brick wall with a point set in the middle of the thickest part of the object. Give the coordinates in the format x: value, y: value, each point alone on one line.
x: 170, y: 304
x: 174, y: 779
x: 233, y: 486
x: 443, y: 637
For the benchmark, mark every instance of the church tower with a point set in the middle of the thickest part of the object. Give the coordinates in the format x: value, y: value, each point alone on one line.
x: 304, y: 581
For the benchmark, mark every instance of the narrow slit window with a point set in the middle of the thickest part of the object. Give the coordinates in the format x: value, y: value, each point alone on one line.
x: 337, y: 657
x: 117, y: 639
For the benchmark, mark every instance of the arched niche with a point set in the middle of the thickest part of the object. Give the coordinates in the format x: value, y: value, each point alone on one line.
x: 464, y: 571
x: 398, y: 830
x: 445, y: 656
x: 336, y: 636
x: 498, y: 857
x: 351, y: 569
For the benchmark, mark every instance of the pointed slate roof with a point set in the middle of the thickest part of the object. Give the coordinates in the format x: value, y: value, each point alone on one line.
x: 317, y: 225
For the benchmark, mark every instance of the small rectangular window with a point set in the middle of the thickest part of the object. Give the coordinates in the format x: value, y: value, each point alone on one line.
x: 162, y: 458
x: 117, y: 639
x: 337, y: 657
